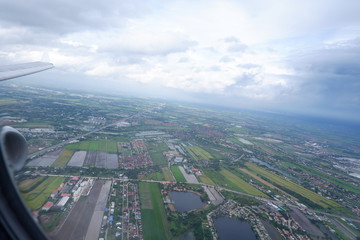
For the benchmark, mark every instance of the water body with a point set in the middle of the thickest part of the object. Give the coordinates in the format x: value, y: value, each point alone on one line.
x: 233, y: 229
x: 186, y: 201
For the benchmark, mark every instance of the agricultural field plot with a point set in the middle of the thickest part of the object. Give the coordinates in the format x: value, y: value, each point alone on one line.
x: 63, y: 159
x: 206, y: 180
x: 167, y: 174
x: 102, y: 146
x: 198, y: 153
x: 112, y: 161
x: 156, y: 153
x: 46, y: 160
x: 155, y: 225
x: 265, y: 182
x: 77, y: 160
x: 35, y: 198
x: 228, y: 179
x: 91, y: 158
x: 29, y: 184
x: 100, y: 161
x: 277, y: 180
x: 177, y: 174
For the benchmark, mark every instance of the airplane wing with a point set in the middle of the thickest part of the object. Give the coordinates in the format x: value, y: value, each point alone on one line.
x: 17, y: 70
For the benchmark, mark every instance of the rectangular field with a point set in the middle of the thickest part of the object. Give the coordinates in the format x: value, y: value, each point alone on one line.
x: 36, y: 198
x: 156, y: 153
x: 46, y: 160
x: 167, y: 174
x: 206, y: 180
x: 155, y: 225
x: 63, y: 159
x: 229, y: 180
x: 103, y: 146
x: 90, y: 158
x: 265, y: 182
x: 77, y: 160
x: 198, y: 153
x: 112, y: 161
x: 276, y: 179
x: 177, y: 174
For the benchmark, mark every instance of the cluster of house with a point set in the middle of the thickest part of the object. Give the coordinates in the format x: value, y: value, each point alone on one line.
x: 70, y: 189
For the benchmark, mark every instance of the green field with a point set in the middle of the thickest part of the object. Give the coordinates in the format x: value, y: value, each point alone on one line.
x: 36, y: 198
x: 230, y: 180
x: 155, y: 225
x: 198, y: 153
x: 29, y: 184
x: 167, y: 174
x: 277, y: 180
x: 103, y: 146
x: 206, y: 180
x: 63, y: 159
x: 156, y: 153
x: 177, y: 174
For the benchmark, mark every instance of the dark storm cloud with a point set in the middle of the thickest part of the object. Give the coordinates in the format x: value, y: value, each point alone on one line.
x: 332, y: 75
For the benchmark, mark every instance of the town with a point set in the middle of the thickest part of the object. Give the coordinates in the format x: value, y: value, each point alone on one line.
x: 113, y: 167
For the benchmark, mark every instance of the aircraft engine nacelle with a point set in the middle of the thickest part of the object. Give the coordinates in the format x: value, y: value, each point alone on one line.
x: 13, y: 148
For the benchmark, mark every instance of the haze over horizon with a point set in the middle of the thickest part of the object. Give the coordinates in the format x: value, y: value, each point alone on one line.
x: 298, y: 56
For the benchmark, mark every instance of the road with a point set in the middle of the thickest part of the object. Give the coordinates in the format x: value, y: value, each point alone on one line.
x: 217, y: 188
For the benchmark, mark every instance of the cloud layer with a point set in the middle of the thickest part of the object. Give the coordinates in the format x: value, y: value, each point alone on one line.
x: 299, y: 55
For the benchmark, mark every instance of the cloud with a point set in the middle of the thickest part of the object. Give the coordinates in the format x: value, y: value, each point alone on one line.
x: 275, y: 54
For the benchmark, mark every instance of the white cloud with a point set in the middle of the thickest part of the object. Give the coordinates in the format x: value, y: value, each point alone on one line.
x: 254, y: 50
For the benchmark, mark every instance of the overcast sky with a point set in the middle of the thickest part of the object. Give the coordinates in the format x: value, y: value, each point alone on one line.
x: 263, y: 54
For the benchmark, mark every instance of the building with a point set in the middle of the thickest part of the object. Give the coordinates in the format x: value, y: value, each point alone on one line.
x: 47, y: 206
x: 63, y: 201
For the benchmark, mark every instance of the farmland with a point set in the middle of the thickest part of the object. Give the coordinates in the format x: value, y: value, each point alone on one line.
x: 198, y: 153
x: 155, y: 225
x: 265, y: 182
x: 156, y: 153
x: 36, y: 198
x: 228, y: 179
x: 103, y: 146
x: 29, y: 184
x: 167, y: 174
x: 293, y: 187
x: 63, y: 159
x: 206, y: 180
x: 177, y: 174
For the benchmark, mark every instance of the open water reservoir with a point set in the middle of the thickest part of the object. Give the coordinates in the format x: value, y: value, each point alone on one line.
x: 186, y: 201
x: 233, y: 229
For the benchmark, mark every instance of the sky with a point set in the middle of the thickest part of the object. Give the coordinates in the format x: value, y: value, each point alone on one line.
x: 270, y: 55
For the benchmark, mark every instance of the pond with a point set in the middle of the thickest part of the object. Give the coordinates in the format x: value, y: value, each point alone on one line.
x: 186, y: 201
x: 233, y: 229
